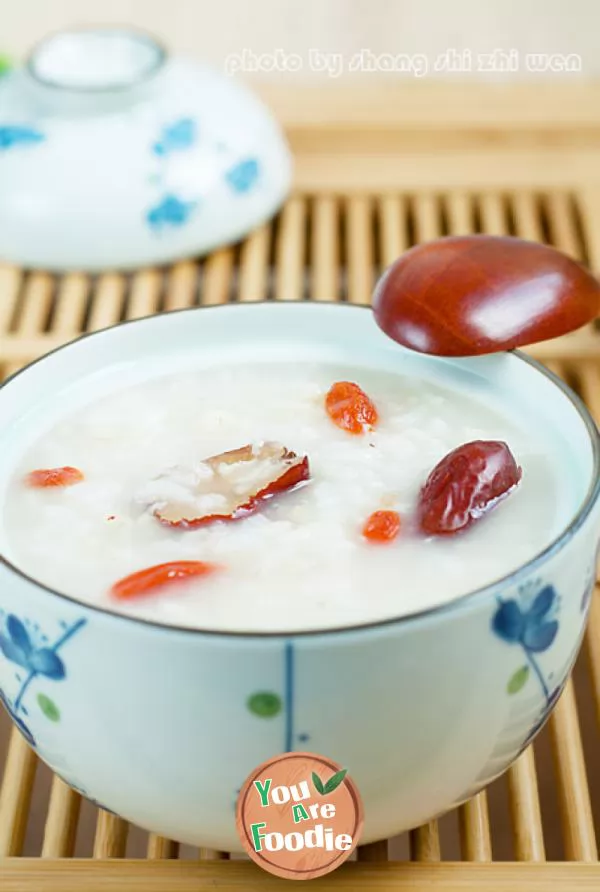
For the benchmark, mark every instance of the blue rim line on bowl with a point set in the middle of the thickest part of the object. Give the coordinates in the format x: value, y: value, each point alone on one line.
x: 512, y: 578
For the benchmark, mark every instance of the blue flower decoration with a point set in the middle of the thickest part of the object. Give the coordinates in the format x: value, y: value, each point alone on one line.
x: 17, y: 647
x: 170, y: 211
x: 14, y: 134
x: 176, y: 137
x: 23, y: 728
x: 532, y: 628
x: 242, y: 176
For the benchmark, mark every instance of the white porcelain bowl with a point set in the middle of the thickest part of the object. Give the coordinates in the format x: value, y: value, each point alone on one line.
x: 163, y: 725
x: 113, y: 155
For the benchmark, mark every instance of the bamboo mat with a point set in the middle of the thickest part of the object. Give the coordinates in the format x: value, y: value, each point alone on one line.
x: 535, y: 827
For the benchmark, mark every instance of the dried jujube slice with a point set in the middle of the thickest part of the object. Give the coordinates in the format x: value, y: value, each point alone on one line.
x: 158, y: 577
x: 47, y: 477
x: 227, y: 486
x: 382, y: 526
x: 466, y: 484
x: 350, y: 408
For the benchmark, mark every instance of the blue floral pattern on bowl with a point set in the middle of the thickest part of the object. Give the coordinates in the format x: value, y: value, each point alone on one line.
x: 16, y: 134
x: 242, y: 176
x: 530, y: 625
x: 171, y: 211
x: 24, y: 646
x: 176, y: 137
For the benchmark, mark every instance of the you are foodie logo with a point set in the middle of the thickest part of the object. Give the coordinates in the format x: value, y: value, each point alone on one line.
x: 299, y: 816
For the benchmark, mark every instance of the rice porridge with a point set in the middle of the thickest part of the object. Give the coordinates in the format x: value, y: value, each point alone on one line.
x: 336, y: 543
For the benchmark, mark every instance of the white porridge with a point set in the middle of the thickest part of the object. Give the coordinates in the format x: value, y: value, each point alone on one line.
x: 299, y: 560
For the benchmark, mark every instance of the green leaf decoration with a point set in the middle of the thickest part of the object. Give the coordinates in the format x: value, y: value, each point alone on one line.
x: 265, y: 704
x: 318, y: 783
x: 335, y: 780
x: 48, y: 707
x: 5, y: 64
x: 518, y: 680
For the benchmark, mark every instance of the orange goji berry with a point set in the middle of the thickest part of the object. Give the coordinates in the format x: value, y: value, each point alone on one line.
x: 54, y: 477
x: 350, y: 408
x: 382, y: 526
x: 144, y: 581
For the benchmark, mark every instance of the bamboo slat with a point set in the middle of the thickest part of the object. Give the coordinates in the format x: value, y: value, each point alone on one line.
x: 427, y: 217
x: 32, y: 310
x: 111, y: 836
x: 593, y: 650
x: 525, y: 811
x: 30, y: 875
x: 325, y: 249
x: 10, y: 285
x: 359, y: 250
x: 393, y: 236
x: 493, y: 217
x: 474, y: 825
x: 588, y: 201
x: 212, y: 855
x: 108, y: 304
x: 182, y: 282
x: 425, y: 843
x: 145, y: 294
x: 289, y: 257
x: 15, y: 794
x: 572, y: 786
x: 160, y: 848
x: 217, y: 276
x: 375, y: 851
x: 527, y: 218
x: 460, y: 213
x: 561, y: 222
x: 70, y: 306
x: 61, y: 821
x: 254, y: 266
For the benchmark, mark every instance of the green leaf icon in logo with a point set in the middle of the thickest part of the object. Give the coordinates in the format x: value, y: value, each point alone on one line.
x: 318, y: 783
x: 331, y: 785
x: 517, y: 681
x: 335, y: 780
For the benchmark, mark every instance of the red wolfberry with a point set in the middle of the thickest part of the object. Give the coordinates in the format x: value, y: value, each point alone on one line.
x: 54, y: 477
x: 350, y: 408
x: 382, y: 526
x: 161, y: 575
